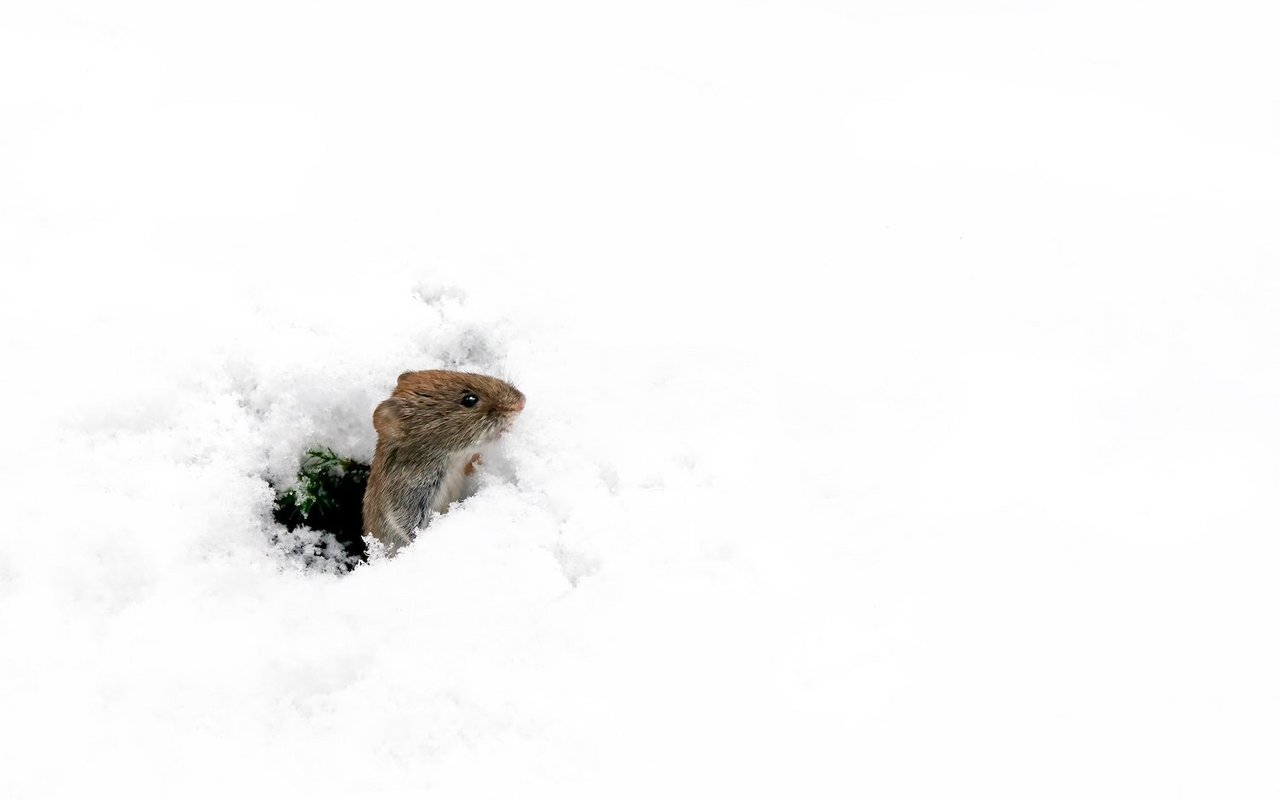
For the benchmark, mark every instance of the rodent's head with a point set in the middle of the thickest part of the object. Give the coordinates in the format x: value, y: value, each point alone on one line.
x: 439, y: 410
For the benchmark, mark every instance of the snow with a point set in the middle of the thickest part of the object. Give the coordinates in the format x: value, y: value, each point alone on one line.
x: 902, y: 397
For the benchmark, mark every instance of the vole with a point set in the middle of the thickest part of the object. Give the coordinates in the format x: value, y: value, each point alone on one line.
x: 429, y: 433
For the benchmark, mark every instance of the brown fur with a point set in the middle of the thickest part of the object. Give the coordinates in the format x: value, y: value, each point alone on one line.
x: 425, y: 441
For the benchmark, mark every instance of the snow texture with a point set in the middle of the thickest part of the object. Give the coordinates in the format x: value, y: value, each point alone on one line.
x: 902, y: 387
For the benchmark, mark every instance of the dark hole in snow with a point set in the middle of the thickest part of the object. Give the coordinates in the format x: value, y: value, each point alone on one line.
x: 326, y: 498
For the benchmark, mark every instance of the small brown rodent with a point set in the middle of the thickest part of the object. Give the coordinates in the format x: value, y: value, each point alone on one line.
x: 428, y: 434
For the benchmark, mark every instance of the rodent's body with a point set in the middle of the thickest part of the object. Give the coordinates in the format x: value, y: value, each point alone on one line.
x: 429, y: 434
x: 405, y: 491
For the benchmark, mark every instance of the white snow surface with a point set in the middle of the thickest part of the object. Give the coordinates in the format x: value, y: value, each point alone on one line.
x: 903, y: 397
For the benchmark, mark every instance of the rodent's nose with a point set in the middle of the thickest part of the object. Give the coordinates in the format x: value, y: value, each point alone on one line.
x: 518, y: 405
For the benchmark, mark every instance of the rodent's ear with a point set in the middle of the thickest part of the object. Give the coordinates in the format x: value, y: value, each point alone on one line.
x: 404, y: 376
x: 387, y: 417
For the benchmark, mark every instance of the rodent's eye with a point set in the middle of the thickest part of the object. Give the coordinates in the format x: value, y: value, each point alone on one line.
x: 469, y: 400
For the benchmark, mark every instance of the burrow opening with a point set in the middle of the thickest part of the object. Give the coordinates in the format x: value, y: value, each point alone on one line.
x: 326, y: 498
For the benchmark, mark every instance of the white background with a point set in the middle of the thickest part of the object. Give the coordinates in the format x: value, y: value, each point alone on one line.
x: 902, y: 397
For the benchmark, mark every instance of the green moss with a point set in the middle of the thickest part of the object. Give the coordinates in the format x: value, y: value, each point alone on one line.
x: 327, y: 497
